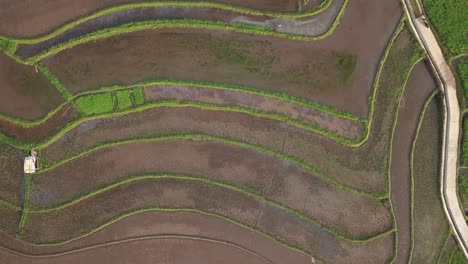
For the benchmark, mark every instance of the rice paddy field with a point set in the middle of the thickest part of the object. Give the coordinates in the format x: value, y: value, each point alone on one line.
x: 222, y: 131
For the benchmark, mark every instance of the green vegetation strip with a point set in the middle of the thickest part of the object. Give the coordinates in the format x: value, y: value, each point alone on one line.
x: 205, y: 137
x: 55, y: 81
x: 243, y: 190
x: 26, y: 209
x: 10, y: 205
x: 413, y: 148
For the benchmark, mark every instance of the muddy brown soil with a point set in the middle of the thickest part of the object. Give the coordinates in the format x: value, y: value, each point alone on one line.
x: 430, y: 224
x: 79, y: 218
x: 341, y: 126
x: 154, y: 223
x: 174, y: 250
x: 11, y: 174
x: 274, y: 63
x: 323, y: 244
x: 9, y: 220
x: 364, y: 167
x: 418, y: 88
x: 316, y: 25
x: 29, y: 18
x: 146, y: 14
x: 63, y: 116
x: 24, y: 93
x: 276, y: 179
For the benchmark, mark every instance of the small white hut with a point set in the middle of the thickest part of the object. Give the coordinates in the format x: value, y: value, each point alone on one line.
x: 30, y: 163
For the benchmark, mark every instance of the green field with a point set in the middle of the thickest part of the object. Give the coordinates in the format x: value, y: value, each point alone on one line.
x: 450, y: 18
x: 95, y: 104
x: 462, y: 68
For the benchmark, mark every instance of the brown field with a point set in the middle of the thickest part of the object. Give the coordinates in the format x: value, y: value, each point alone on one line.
x: 341, y: 126
x: 11, y: 176
x: 156, y: 223
x: 78, y: 218
x: 28, y: 18
x: 9, y: 220
x: 430, y: 225
x: 331, y: 71
x: 221, y: 202
x: 25, y: 93
x: 173, y: 250
x: 323, y: 244
x: 139, y: 15
x: 419, y: 87
x: 39, y: 132
x: 363, y: 167
x: 71, y: 221
x: 279, y: 180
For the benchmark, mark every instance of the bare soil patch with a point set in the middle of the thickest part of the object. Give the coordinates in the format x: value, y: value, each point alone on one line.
x: 337, y: 71
x: 430, y: 225
x: 152, y: 223
x: 168, y: 250
x: 418, y: 88
x: 341, y: 126
x: 11, y: 174
x: 322, y: 244
x: 25, y: 93
x: 9, y: 220
x: 279, y: 180
x: 28, y: 18
x: 39, y: 132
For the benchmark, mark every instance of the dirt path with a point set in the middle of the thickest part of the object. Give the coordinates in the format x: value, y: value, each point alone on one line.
x: 419, y: 87
x: 451, y: 128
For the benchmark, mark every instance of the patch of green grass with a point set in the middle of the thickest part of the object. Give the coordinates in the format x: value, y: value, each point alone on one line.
x: 139, y: 97
x: 95, y: 104
x: 464, y: 158
x: 463, y: 188
x: 345, y: 63
x: 450, y: 19
x: 463, y: 73
x: 123, y: 99
x: 457, y: 257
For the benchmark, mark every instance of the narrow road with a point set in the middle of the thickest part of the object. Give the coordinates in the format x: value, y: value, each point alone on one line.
x: 451, y: 131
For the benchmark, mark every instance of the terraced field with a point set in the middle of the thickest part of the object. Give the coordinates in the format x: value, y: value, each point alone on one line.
x: 216, y: 132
